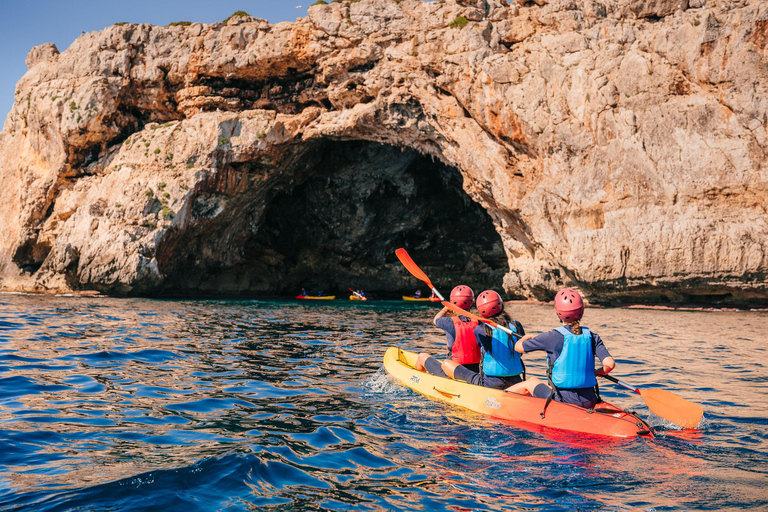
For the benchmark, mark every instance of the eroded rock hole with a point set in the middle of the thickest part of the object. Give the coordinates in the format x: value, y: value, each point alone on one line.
x: 338, y: 225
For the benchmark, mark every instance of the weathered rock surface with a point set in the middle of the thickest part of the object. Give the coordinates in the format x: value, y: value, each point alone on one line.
x: 618, y: 147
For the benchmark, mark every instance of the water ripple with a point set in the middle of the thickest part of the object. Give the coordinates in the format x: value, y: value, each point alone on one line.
x: 133, y: 404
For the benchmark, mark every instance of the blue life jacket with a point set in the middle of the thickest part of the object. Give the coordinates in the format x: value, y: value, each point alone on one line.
x: 502, y: 360
x: 575, y: 367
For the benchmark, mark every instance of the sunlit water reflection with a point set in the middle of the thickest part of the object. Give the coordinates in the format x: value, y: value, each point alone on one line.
x: 206, y: 405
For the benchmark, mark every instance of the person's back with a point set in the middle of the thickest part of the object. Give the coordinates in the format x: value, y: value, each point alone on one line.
x: 571, y: 350
x: 459, y: 333
x: 500, y: 365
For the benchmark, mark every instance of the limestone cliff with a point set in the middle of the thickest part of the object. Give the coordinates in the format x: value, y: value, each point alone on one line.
x: 616, y: 146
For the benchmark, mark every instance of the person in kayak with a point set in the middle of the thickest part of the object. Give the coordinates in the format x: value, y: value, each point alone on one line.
x: 459, y: 335
x: 500, y: 366
x: 571, y: 351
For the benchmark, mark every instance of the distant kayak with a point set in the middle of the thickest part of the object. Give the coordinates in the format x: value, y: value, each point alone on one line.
x: 355, y: 297
x: 421, y: 299
x: 316, y: 297
x: 605, y: 420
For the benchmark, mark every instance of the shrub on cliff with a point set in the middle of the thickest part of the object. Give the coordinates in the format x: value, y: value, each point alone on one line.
x: 460, y: 22
x: 320, y: 2
x: 180, y: 24
x: 241, y: 14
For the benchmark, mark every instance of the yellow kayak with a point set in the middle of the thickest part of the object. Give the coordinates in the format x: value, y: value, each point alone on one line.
x: 605, y: 420
x: 316, y: 297
x: 355, y: 297
x: 421, y: 299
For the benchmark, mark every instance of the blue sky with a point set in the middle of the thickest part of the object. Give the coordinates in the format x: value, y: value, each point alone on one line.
x: 27, y: 23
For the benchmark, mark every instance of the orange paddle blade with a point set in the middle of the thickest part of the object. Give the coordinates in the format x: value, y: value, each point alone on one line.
x: 669, y: 406
x: 414, y: 269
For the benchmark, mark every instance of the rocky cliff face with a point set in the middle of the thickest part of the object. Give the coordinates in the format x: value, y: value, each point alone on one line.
x: 614, y: 146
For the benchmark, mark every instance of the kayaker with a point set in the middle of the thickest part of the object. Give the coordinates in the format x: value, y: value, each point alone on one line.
x: 459, y: 334
x: 303, y: 292
x: 500, y: 365
x: 417, y: 294
x: 571, y: 351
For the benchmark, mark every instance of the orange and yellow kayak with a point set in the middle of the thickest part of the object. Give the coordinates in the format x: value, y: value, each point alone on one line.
x: 356, y: 297
x: 316, y: 297
x: 605, y: 420
x: 421, y: 299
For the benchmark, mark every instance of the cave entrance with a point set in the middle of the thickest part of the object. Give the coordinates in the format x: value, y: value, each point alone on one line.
x: 338, y: 220
x: 341, y: 226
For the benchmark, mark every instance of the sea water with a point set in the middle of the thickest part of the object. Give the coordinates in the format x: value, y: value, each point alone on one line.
x: 134, y: 404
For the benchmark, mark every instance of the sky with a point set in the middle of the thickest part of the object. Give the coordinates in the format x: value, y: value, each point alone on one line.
x: 28, y: 23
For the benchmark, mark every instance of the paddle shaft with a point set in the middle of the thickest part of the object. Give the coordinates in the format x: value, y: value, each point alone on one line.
x: 457, y: 309
x: 622, y: 383
x: 353, y: 291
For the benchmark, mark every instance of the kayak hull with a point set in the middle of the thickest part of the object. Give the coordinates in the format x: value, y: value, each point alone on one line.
x: 605, y: 420
x: 421, y: 299
x: 315, y: 297
x: 355, y: 297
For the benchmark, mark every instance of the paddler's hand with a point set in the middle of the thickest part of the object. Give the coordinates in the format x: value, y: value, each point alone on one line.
x: 608, y: 365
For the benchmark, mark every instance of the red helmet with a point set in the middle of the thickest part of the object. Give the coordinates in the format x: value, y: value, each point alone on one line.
x: 489, y: 303
x: 568, y: 305
x: 462, y: 296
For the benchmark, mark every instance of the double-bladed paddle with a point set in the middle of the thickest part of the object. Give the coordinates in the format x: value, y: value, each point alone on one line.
x: 414, y: 269
x: 356, y: 294
x: 666, y: 404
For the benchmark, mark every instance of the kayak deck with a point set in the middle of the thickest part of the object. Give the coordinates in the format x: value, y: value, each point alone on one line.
x: 316, y: 297
x: 605, y: 419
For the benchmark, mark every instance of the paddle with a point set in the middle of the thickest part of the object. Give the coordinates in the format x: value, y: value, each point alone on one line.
x: 457, y: 309
x: 667, y: 405
x: 356, y: 294
x: 414, y: 269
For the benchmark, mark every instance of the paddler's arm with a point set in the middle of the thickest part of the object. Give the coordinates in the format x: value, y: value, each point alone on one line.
x: 519, y: 344
x: 440, y: 314
x: 608, y: 365
x: 602, y: 353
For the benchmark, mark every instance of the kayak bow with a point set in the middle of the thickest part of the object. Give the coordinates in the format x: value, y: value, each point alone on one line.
x: 605, y: 419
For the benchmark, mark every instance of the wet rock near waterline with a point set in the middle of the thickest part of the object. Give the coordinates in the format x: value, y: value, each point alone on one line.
x: 613, y: 146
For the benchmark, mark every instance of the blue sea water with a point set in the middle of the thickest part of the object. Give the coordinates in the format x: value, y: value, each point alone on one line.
x: 133, y: 404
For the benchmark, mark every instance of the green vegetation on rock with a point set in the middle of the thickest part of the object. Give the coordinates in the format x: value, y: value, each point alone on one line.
x: 241, y: 14
x: 460, y: 22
